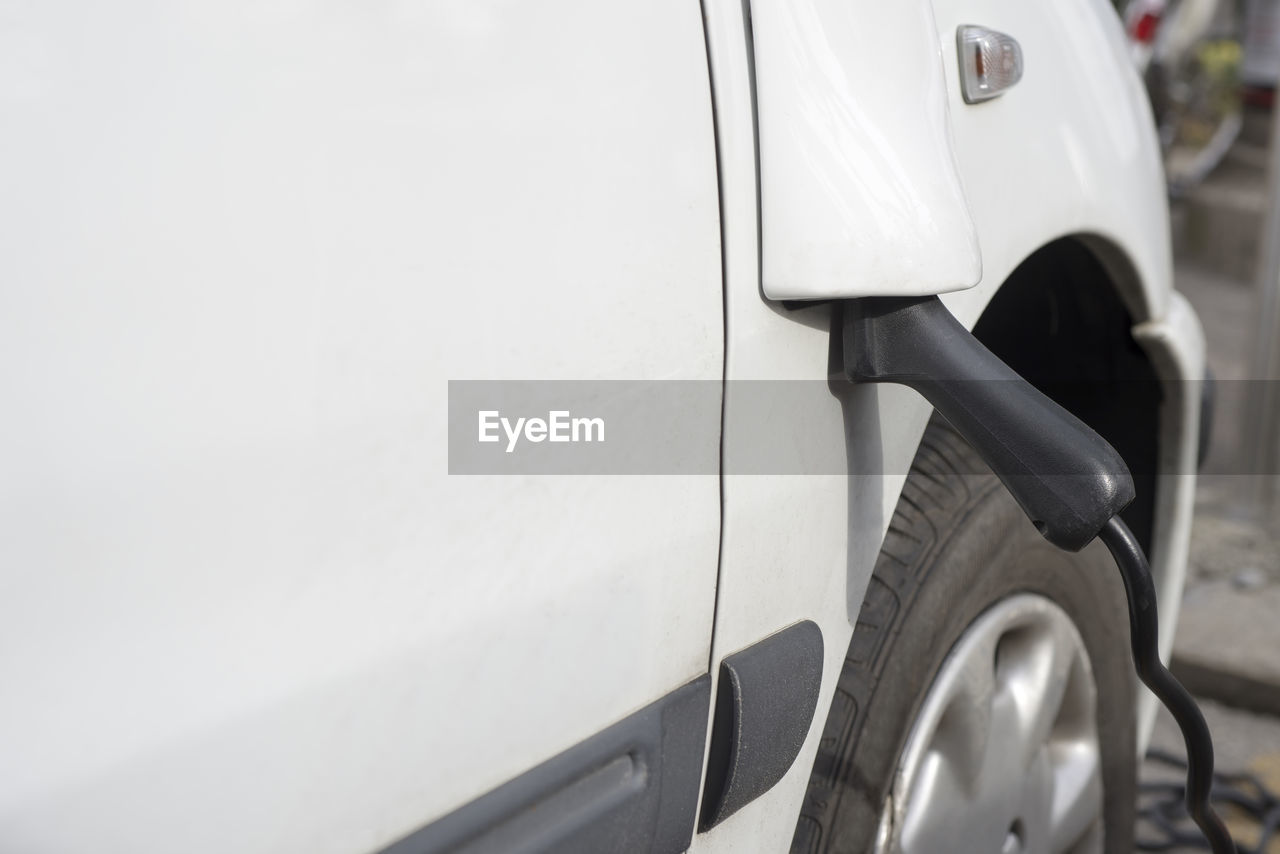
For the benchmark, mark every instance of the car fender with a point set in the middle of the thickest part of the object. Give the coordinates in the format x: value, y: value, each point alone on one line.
x: 1068, y: 151
x: 876, y: 178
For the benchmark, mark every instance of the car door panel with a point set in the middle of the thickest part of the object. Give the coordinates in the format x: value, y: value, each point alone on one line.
x: 247, y: 247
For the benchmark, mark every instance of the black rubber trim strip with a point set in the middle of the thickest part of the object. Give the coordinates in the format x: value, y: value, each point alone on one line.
x: 632, y: 787
x: 765, y: 702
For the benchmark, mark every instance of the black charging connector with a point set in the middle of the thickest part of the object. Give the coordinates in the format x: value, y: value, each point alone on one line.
x: 1068, y: 480
x: 1066, y: 477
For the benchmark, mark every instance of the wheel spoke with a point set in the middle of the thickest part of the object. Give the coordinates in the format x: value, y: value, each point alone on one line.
x: 1077, y: 792
x: 1001, y: 763
x: 1004, y: 750
x: 1035, y: 667
x: 937, y: 803
x: 972, y: 726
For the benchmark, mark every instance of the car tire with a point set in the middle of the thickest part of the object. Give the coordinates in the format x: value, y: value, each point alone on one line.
x: 956, y: 546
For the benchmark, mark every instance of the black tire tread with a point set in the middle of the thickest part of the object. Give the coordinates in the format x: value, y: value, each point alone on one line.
x: 936, y: 502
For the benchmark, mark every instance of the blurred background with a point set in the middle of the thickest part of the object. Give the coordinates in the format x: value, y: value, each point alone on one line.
x: 1210, y: 68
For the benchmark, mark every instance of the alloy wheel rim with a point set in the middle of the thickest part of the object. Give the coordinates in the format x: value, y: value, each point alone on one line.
x: 1004, y: 753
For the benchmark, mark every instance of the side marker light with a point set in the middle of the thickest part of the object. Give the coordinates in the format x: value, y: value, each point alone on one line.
x: 990, y: 63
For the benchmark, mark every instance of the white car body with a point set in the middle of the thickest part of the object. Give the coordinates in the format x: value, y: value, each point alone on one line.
x: 246, y: 246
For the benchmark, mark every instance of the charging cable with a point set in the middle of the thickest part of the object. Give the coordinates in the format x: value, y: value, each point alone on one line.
x: 1144, y: 635
x: 1068, y: 480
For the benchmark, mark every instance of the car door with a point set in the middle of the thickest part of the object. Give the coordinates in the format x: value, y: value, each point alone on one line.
x: 253, y: 252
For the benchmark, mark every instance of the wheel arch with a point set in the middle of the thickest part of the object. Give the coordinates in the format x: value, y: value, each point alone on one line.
x: 1064, y: 319
x: 1142, y: 390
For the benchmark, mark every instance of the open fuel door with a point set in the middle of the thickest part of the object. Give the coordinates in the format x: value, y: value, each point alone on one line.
x: 859, y: 190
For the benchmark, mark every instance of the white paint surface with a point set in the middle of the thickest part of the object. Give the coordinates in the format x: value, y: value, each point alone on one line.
x: 245, y: 245
x: 858, y: 183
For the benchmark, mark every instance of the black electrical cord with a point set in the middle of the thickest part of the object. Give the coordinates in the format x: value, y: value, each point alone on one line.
x: 1144, y: 638
x: 1031, y: 442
